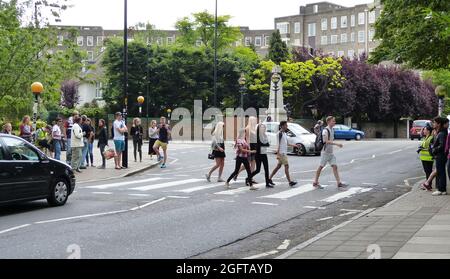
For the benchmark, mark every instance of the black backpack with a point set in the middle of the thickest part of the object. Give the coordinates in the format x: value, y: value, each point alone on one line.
x: 319, y: 144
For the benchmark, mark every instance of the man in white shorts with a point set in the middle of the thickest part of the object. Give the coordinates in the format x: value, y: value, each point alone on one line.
x: 328, y: 155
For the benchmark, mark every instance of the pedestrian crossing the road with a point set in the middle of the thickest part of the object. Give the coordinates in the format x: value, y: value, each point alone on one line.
x: 185, y: 188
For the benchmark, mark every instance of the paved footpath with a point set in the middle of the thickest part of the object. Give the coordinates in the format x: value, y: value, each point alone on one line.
x: 415, y: 226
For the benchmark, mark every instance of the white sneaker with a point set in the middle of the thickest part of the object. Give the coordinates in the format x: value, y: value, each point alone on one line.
x: 227, y: 185
x: 438, y: 193
x: 220, y: 180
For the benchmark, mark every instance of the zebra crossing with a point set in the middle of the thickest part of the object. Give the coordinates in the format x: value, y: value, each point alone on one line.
x: 187, y: 187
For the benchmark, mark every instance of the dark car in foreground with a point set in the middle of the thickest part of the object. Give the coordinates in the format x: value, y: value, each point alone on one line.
x: 27, y: 174
x: 347, y: 133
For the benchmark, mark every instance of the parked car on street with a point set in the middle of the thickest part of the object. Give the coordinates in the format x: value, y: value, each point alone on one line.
x: 27, y: 174
x: 297, y: 135
x: 347, y: 133
x: 416, y: 130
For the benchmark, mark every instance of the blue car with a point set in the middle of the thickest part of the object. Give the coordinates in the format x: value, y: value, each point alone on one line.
x: 347, y: 133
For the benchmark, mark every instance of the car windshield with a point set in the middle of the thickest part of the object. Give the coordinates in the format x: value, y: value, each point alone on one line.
x: 298, y: 130
x: 420, y: 123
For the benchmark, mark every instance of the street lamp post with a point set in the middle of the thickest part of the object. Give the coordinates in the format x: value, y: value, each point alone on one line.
x: 215, y: 57
x: 125, y: 81
x: 36, y: 89
x: 440, y: 93
x: 140, y: 101
x: 276, y: 79
x: 169, y: 112
x: 242, y: 89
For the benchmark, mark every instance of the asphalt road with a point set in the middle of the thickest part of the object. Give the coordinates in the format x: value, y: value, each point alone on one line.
x: 175, y: 213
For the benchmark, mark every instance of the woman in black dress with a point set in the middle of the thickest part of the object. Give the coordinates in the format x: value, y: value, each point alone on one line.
x: 218, y: 150
x: 137, y: 132
x: 102, y: 141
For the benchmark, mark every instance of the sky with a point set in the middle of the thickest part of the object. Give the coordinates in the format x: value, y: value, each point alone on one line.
x: 256, y: 14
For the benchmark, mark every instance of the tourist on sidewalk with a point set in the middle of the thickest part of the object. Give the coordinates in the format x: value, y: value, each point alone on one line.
x: 57, y: 137
x: 328, y: 156
x: 138, y: 133
x: 69, y: 125
x: 282, y: 155
x: 76, y: 144
x: 86, y: 135
x: 7, y: 129
x: 262, y: 142
x: 425, y: 156
x: 440, y: 155
x: 218, y: 151
x: 163, y: 141
x: 91, y: 138
x: 242, y: 153
x: 102, y: 141
x: 153, y: 137
x: 25, y: 129
x: 120, y: 129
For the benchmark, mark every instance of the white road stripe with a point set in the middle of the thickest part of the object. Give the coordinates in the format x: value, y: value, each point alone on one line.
x: 118, y: 184
x: 201, y: 188
x: 82, y: 217
x: 178, y: 197
x: 352, y: 210
x: 346, y: 194
x: 236, y: 191
x: 292, y: 192
x: 147, y: 204
x: 265, y: 203
x: 102, y: 193
x: 370, y: 184
x: 262, y: 255
x: 223, y: 201
x: 348, y: 213
x: 166, y: 185
x: 285, y: 245
x: 15, y: 228
x: 324, y: 219
x: 314, y: 207
x: 396, y: 151
x: 139, y: 195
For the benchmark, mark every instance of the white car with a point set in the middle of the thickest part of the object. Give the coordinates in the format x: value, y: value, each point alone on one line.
x: 297, y: 135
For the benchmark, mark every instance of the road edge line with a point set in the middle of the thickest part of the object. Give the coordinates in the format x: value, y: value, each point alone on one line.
x: 323, y: 234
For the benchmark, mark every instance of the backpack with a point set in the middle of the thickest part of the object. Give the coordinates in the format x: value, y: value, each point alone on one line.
x: 319, y: 144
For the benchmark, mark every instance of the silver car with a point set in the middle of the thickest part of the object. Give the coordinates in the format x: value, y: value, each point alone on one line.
x: 297, y: 135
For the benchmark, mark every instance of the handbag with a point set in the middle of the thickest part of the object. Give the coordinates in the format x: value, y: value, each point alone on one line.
x: 109, y: 153
x: 211, y: 156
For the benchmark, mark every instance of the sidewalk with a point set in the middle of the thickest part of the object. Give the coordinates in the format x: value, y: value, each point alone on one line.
x: 95, y: 174
x: 415, y: 226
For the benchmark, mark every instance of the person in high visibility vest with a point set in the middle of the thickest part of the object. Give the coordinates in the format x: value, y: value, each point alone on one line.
x: 426, y: 157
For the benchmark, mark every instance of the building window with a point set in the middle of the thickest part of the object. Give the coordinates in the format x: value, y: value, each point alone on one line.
x: 60, y: 40
x: 286, y: 40
x: 340, y: 53
x: 361, y: 37
x: 333, y: 23
x: 297, y: 28
x: 316, y: 9
x: 351, y: 53
x: 149, y: 41
x: 283, y: 27
x: 324, y: 24
x: 170, y: 40
x: 258, y: 41
x: 343, y: 21
x: 352, y: 37
x: 248, y: 41
x: 311, y: 29
x: 159, y: 41
x: 90, y: 41
x: 90, y: 55
x: 238, y: 43
x: 352, y: 21
x: 361, y: 18
x: 80, y: 40
x: 343, y: 38
x: 98, y: 90
x: 371, y: 34
x: 372, y: 17
x: 100, y: 40
x: 334, y: 39
x: 266, y: 41
x: 324, y: 40
x: 297, y: 42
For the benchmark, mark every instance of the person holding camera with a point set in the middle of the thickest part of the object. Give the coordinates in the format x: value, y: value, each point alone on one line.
x: 425, y: 156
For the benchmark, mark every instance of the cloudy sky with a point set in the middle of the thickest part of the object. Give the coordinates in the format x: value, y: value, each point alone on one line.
x: 257, y: 14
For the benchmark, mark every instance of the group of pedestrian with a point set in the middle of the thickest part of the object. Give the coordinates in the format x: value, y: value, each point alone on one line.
x: 434, y: 149
x: 251, y: 153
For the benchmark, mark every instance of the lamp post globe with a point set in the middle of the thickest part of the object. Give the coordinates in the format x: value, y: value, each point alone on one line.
x: 37, y: 88
x: 140, y: 101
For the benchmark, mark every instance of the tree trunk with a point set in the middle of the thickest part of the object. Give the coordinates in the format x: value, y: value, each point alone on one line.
x: 396, y: 129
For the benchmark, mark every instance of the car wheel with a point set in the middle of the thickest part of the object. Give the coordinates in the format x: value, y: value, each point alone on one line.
x: 358, y: 137
x: 317, y: 153
x: 300, y: 151
x: 59, y: 193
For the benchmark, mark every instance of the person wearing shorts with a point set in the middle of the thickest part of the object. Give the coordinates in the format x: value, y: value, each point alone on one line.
x: 328, y: 156
x: 163, y: 141
x: 282, y: 155
x: 119, y: 139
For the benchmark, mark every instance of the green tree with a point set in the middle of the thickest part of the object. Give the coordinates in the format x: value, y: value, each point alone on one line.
x: 278, y: 50
x: 202, y: 27
x: 409, y: 33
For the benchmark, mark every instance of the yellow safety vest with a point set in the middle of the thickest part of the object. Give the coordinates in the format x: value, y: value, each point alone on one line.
x: 425, y: 152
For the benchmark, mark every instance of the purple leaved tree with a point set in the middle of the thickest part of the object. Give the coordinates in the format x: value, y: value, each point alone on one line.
x: 69, y: 94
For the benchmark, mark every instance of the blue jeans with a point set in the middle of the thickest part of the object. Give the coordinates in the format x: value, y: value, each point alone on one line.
x: 90, y: 154
x: 68, y: 151
x: 57, y: 146
x: 84, y: 151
